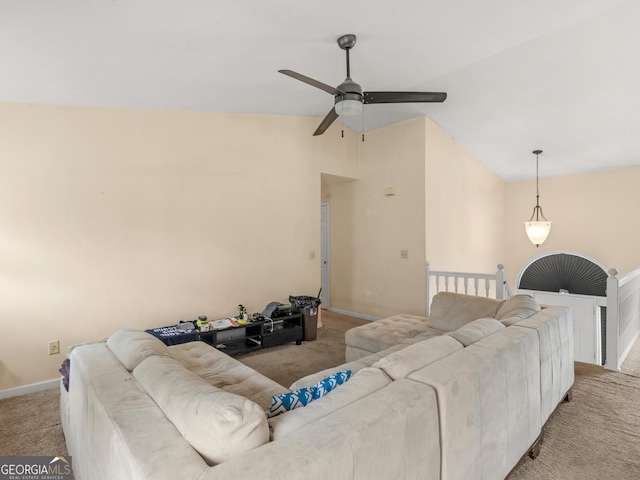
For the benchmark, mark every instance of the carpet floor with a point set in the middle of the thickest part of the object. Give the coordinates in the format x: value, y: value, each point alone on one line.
x: 595, y: 436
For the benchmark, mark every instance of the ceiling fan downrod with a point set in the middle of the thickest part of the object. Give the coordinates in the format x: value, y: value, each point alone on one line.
x: 348, y: 66
x: 346, y: 43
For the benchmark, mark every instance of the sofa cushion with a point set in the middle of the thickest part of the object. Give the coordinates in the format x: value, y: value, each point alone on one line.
x: 114, y: 429
x: 216, y: 423
x: 476, y: 330
x: 488, y: 404
x: 517, y: 308
x: 387, y: 332
x: 450, y: 311
x: 362, y: 384
x: 133, y: 346
x: 554, y: 326
x: 227, y: 373
x: 301, y: 397
x: 401, y: 363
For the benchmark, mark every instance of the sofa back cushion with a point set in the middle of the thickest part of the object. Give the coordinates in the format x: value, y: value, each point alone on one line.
x: 517, y: 308
x: 216, y: 423
x: 355, y: 366
x: 401, y: 363
x: 476, y: 330
x: 450, y: 311
x: 131, y: 347
x: 361, y: 384
x: 115, y: 429
x: 554, y: 326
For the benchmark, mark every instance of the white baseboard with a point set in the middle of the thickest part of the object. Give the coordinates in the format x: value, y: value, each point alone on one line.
x: 34, y: 387
x: 353, y: 314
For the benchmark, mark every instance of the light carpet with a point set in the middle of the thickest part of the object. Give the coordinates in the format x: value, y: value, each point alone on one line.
x: 595, y: 436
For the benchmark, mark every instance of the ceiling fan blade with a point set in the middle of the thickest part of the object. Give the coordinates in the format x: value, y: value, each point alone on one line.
x: 311, y: 81
x: 404, y: 97
x: 328, y: 120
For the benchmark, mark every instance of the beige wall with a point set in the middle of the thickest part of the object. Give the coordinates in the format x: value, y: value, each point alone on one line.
x: 594, y: 214
x: 128, y: 218
x: 464, y: 208
x: 441, y: 190
x: 369, y: 229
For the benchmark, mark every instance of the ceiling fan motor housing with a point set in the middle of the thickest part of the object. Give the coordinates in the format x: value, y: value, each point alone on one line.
x: 348, y: 96
x: 349, y: 90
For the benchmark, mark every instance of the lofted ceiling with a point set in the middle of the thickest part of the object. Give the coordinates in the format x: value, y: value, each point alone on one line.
x: 558, y: 75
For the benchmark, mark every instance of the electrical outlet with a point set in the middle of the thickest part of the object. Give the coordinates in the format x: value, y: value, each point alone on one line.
x: 54, y: 347
x: 404, y: 253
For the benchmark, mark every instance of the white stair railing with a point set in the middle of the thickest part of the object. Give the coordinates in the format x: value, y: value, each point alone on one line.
x: 623, y: 316
x: 478, y: 284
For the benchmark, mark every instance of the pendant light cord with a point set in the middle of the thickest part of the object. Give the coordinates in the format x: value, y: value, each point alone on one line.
x: 537, y: 189
x: 537, y: 210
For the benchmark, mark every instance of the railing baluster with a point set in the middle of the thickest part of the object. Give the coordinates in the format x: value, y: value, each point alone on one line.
x: 461, y: 282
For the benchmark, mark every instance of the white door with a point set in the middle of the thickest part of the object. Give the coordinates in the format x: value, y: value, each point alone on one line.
x: 324, y: 254
x: 586, y: 323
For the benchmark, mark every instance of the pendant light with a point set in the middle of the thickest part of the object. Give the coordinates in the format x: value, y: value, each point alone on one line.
x: 538, y: 227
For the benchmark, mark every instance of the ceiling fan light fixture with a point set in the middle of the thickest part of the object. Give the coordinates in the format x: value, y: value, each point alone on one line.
x: 348, y: 108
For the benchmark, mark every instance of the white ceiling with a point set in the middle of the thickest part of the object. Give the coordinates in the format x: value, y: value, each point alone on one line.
x: 559, y: 75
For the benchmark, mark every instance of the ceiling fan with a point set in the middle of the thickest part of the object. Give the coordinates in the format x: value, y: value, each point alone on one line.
x: 349, y: 97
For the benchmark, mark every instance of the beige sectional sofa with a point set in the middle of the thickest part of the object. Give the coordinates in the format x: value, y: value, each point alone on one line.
x: 463, y: 404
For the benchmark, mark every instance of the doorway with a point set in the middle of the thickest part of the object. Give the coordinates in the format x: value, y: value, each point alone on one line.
x: 324, y: 254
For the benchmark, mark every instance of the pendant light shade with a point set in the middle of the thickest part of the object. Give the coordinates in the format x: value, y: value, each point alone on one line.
x: 538, y: 227
x: 538, y: 231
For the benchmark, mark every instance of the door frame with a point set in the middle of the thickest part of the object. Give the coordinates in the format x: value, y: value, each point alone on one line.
x: 325, y: 215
